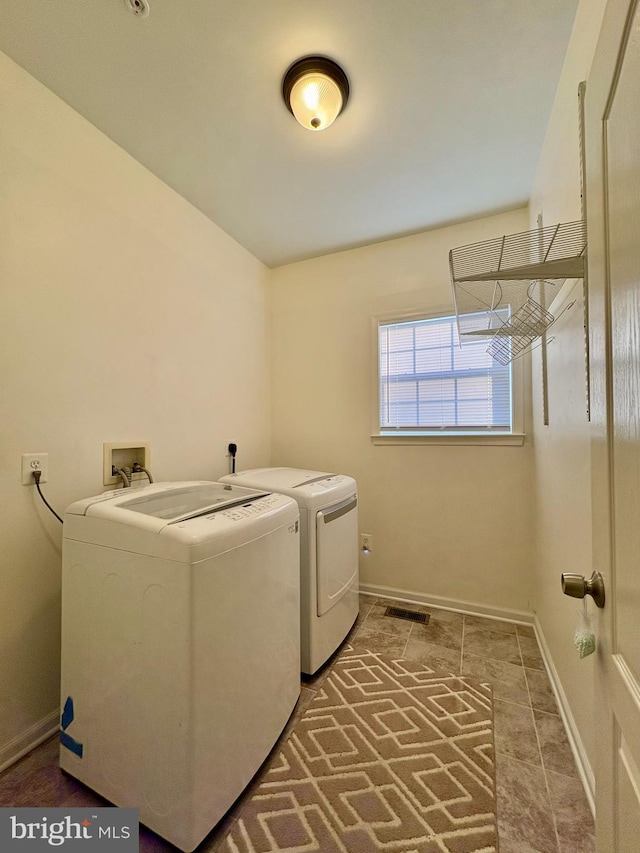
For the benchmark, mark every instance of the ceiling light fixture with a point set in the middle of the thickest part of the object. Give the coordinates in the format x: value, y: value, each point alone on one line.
x: 316, y: 90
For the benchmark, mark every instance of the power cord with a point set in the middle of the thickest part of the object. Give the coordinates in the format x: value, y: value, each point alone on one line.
x: 36, y: 477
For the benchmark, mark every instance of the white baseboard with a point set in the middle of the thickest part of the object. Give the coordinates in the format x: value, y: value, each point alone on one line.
x: 24, y: 743
x: 473, y: 608
x: 577, y: 746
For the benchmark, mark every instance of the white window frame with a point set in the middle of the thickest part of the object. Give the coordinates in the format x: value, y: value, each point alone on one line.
x: 514, y: 437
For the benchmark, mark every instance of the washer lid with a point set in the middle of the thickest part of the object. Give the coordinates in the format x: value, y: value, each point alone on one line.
x: 186, y: 502
x: 183, y: 522
x: 164, y: 502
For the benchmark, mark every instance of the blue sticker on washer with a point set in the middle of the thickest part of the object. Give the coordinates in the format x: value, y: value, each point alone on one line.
x: 65, y: 721
x: 67, y: 713
x: 70, y: 743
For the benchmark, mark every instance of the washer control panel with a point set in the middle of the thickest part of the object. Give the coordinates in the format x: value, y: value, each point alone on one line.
x: 248, y: 510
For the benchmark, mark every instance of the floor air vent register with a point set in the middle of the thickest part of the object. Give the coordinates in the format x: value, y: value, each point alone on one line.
x: 411, y: 615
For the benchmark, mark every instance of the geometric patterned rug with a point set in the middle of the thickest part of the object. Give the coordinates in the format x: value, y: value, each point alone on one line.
x: 389, y: 757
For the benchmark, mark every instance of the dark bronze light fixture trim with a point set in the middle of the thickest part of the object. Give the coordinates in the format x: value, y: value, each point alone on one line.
x: 315, y: 65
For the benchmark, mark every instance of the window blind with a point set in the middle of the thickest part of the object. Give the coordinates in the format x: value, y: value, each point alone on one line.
x: 428, y: 382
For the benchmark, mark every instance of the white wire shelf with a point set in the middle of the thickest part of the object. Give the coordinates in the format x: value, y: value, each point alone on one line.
x: 556, y: 251
x: 510, y: 272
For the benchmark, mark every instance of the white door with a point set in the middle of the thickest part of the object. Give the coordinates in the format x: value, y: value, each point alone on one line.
x: 612, y: 109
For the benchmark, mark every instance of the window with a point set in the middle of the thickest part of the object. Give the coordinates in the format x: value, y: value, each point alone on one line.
x: 429, y: 385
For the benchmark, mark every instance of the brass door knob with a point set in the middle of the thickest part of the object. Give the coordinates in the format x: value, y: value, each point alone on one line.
x: 578, y: 586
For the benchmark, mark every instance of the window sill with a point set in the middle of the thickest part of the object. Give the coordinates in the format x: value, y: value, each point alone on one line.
x: 495, y: 439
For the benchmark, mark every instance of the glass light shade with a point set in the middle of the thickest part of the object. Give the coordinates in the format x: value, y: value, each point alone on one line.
x: 316, y: 100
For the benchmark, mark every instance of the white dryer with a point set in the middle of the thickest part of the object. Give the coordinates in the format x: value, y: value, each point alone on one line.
x: 328, y: 553
x: 180, y: 646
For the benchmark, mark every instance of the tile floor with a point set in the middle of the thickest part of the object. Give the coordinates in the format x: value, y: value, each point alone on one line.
x: 542, y: 807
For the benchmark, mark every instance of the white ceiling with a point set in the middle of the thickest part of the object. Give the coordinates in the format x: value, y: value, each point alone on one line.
x: 449, y: 105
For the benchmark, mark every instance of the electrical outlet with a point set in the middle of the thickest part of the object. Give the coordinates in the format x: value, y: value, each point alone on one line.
x: 366, y: 542
x: 34, y: 462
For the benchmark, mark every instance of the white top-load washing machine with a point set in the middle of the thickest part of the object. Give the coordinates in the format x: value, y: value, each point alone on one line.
x: 180, y: 646
x: 328, y: 553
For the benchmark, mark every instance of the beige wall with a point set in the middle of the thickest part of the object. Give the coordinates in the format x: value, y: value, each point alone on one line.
x: 446, y: 521
x: 562, y: 452
x: 125, y: 315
